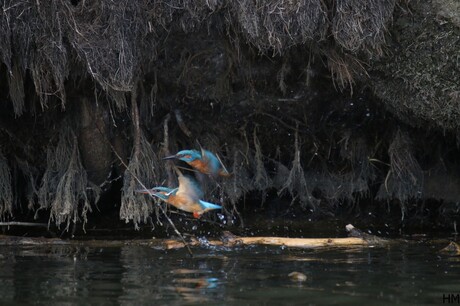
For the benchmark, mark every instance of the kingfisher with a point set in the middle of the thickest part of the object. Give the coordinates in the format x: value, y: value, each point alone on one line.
x: 204, y: 161
x: 186, y: 197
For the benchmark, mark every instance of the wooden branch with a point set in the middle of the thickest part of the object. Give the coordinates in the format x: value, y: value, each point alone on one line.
x: 272, y: 241
x: 15, y: 223
x: 168, y: 244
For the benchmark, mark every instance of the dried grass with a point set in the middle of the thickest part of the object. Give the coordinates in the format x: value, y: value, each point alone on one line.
x: 360, y: 25
x: 275, y: 26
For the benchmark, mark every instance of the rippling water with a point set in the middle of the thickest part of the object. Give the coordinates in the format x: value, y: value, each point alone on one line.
x: 408, y: 273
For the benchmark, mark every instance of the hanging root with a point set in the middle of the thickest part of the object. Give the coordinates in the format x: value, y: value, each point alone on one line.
x: 261, y: 179
x: 404, y: 180
x: 355, y: 151
x: 16, y: 89
x: 239, y: 183
x: 64, y: 187
x: 6, y: 192
x: 181, y: 123
x: 30, y: 174
x: 296, y: 183
x: 344, y: 68
x: 147, y: 168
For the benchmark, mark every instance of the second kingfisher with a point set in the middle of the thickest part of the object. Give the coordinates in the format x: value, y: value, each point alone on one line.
x: 204, y: 161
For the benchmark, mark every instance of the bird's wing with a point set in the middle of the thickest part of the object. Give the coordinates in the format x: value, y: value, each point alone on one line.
x: 211, y: 160
x: 172, y: 192
x: 190, y: 188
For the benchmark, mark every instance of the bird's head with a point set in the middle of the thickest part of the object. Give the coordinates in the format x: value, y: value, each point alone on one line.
x: 163, y: 192
x: 185, y: 155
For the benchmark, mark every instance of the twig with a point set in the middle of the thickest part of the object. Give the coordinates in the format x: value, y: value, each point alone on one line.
x: 181, y: 123
x: 188, y: 169
x: 23, y: 224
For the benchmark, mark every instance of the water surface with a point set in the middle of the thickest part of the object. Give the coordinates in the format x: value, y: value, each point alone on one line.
x: 406, y: 273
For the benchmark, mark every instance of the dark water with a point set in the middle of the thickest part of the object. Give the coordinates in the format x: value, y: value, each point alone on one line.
x: 407, y: 273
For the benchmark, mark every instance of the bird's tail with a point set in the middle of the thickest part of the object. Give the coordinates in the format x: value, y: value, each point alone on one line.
x: 209, y: 206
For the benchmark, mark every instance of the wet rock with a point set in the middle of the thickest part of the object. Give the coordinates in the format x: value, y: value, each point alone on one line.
x: 452, y: 249
x: 297, y: 276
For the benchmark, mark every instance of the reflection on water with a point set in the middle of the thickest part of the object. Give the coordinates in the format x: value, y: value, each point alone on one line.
x: 407, y: 273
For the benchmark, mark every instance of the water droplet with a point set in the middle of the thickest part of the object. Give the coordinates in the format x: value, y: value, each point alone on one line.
x: 194, y: 228
x: 221, y: 216
x: 203, y: 241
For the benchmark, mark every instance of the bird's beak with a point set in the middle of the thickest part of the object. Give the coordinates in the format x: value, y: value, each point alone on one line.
x: 144, y: 191
x: 169, y: 157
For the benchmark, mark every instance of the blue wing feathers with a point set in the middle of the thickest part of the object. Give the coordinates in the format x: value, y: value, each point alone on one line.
x: 207, y: 205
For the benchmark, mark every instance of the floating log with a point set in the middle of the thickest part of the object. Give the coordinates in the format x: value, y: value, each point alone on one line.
x: 227, y: 240
x: 230, y: 240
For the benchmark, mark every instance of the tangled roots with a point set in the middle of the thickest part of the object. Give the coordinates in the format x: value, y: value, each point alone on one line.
x: 360, y: 25
x: 147, y: 167
x: 278, y: 25
x: 405, y: 178
x: 64, y: 188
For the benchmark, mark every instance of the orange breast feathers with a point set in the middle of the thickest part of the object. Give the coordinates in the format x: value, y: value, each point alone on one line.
x: 201, y: 166
x: 184, y: 203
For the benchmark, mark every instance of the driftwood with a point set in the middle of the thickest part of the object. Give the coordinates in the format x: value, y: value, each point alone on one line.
x: 14, y: 223
x: 168, y: 244
x: 271, y: 241
x: 227, y: 240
